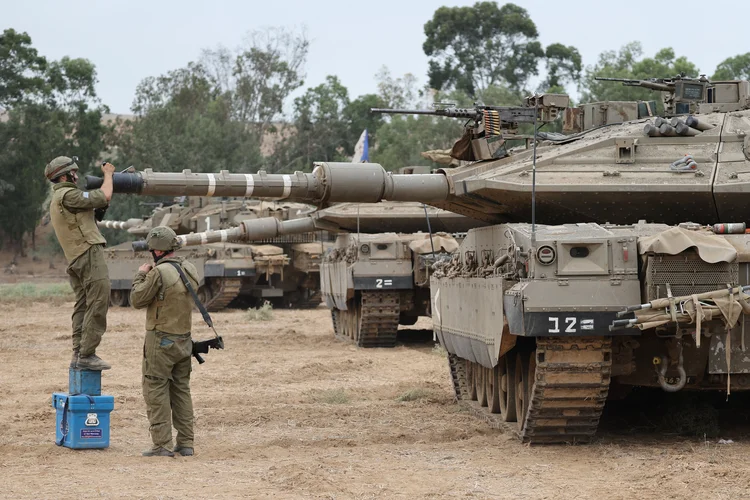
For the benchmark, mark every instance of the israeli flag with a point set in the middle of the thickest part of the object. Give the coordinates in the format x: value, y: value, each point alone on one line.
x: 361, y: 149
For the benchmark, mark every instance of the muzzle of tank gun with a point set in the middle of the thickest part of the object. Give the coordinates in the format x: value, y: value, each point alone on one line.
x: 329, y: 182
x: 121, y: 182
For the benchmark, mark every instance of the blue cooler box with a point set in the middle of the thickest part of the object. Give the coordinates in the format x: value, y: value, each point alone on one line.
x: 84, y: 382
x: 82, y: 421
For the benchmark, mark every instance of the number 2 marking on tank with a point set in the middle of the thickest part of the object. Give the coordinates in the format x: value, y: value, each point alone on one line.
x: 380, y: 282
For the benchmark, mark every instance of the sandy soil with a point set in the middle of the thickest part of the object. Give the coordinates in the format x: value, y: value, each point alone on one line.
x: 288, y: 412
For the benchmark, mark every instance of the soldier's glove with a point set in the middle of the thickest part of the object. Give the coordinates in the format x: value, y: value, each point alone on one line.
x: 99, y: 213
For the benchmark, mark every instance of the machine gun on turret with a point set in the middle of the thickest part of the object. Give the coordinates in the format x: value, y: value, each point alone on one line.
x: 488, y: 127
x: 681, y: 94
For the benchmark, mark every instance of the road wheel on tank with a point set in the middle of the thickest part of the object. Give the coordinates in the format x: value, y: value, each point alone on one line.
x: 493, y: 389
x: 481, y: 374
x: 470, y: 380
x: 119, y: 298
x: 522, y: 387
x: 506, y: 376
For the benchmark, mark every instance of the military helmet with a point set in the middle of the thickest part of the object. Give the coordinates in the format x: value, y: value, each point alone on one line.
x: 59, y: 166
x: 162, y: 238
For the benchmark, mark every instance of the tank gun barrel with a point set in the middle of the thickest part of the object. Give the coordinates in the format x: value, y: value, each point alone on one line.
x: 648, y: 84
x: 117, y: 224
x: 329, y: 182
x: 470, y: 113
x: 248, y: 231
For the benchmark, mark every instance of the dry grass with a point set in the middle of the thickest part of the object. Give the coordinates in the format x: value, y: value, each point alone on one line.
x: 414, y: 394
x: 332, y: 397
x: 30, y: 292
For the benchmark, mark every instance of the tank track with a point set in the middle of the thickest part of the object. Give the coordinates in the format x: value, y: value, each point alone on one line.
x: 379, y: 319
x: 229, y: 289
x: 571, y: 383
x: 310, y: 302
x: 371, y: 323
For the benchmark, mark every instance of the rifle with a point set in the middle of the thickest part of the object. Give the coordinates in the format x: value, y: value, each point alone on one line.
x: 202, y: 346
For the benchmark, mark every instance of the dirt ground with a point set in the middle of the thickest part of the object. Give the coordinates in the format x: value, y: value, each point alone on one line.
x: 286, y: 411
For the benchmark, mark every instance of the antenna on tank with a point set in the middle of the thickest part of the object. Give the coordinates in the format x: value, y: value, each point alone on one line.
x: 533, y: 174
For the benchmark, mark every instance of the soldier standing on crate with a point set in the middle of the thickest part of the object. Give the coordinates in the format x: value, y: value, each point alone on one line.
x: 73, y: 214
x: 168, y: 346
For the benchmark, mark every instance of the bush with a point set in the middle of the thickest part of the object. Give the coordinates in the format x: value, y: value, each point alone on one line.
x: 332, y: 397
x: 262, y: 313
x: 413, y: 394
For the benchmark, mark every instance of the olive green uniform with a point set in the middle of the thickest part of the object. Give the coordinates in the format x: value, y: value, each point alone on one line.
x: 167, y: 350
x: 72, y: 216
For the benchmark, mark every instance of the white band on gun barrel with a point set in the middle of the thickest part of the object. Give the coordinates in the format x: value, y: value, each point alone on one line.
x: 211, y: 185
x: 250, y: 185
x: 182, y: 240
x: 204, y: 238
x: 223, y: 233
x: 287, y: 186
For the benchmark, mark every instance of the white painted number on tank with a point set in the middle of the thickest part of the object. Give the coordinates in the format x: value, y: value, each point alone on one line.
x: 380, y: 282
x: 555, y: 325
x: 571, y: 322
x: 208, y: 223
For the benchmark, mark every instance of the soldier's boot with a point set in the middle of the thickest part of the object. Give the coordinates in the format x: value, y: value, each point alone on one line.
x: 184, y: 451
x: 157, y: 451
x: 92, y: 362
x: 74, y: 360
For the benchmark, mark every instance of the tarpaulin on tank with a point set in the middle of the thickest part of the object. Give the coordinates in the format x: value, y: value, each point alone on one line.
x: 441, y: 241
x: 266, y: 250
x: 710, y: 248
x: 312, y: 248
x: 335, y: 278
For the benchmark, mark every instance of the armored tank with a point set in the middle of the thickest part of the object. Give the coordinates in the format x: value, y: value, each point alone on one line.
x: 372, y: 283
x: 540, y: 320
x: 231, y: 272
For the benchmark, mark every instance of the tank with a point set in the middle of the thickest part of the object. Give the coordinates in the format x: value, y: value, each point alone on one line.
x: 372, y: 283
x: 624, y: 265
x: 228, y: 272
x: 233, y: 273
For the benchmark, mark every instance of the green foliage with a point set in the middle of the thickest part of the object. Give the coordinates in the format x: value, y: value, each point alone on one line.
x: 21, y: 68
x: 262, y: 313
x: 400, y: 142
x: 628, y: 63
x: 52, y: 111
x: 472, y: 48
x: 733, y: 68
x: 563, y: 65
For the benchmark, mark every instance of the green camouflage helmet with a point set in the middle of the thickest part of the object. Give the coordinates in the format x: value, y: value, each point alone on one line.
x: 59, y: 166
x: 162, y: 238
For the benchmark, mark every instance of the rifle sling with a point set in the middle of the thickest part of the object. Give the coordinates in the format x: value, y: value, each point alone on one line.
x: 186, y: 282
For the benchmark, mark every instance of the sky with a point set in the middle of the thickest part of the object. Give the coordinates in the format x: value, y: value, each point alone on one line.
x: 129, y: 40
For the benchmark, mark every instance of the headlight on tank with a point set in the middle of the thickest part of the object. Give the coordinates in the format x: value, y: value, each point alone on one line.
x: 365, y: 249
x: 546, y: 255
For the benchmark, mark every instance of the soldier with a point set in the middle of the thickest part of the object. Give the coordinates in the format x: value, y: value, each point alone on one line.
x: 168, y: 346
x: 72, y: 216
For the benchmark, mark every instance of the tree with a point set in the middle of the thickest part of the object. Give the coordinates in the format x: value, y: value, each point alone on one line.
x: 627, y: 63
x: 733, y: 68
x: 259, y: 76
x: 62, y: 116
x: 472, y: 48
x: 563, y: 66
x: 21, y: 68
x: 321, y: 133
